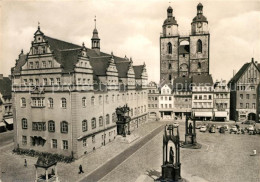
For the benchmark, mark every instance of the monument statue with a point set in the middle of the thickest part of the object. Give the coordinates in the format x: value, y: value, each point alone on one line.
x: 171, y: 156
x: 190, y: 128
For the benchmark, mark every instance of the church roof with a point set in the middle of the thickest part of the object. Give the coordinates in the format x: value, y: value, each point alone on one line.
x: 138, y: 71
x: 200, y: 18
x: 170, y: 21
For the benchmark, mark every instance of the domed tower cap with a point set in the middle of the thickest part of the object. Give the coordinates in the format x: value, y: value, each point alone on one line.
x: 200, y: 6
x: 169, y: 10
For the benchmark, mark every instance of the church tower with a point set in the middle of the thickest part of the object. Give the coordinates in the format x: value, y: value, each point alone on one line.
x: 199, y: 44
x: 169, y: 48
x: 95, y: 45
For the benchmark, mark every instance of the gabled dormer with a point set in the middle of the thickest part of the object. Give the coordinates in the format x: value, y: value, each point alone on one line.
x: 131, y: 75
x: 83, y: 58
x: 39, y: 44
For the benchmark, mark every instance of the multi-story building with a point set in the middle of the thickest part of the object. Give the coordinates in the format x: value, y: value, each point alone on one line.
x: 221, y: 101
x: 182, y: 55
x: 202, y: 97
x: 6, y: 111
x: 153, y: 100
x: 182, y: 97
x: 65, y: 96
x: 166, y: 102
x: 258, y: 104
x: 243, y: 95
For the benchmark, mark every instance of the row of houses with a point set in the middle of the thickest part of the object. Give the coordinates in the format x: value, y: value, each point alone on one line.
x: 200, y: 97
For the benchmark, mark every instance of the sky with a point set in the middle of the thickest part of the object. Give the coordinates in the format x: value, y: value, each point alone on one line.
x: 133, y: 28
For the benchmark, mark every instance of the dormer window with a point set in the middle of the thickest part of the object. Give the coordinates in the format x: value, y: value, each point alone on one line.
x: 50, y: 64
x: 31, y: 65
x: 44, y: 64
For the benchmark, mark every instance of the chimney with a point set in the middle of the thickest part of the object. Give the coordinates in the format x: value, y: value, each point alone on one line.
x: 252, y: 59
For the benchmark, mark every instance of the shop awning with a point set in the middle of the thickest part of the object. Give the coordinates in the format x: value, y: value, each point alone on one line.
x: 9, y: 121
x: 221, y: 114
x: 203, y: 114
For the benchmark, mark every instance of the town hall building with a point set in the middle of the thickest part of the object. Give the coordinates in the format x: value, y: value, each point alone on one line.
x: 65, y: 96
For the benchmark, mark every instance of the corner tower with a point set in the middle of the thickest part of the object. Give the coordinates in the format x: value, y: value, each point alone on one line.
x: 169, y: 48
x: 199, y: 44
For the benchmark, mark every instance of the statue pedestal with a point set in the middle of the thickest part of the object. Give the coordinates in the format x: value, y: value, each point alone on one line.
x: 170, y: 173
x: 191, y: 142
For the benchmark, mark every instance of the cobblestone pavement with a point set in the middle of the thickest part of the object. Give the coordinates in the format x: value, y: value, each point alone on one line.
x: 223, y: 157
x: 12, y: 165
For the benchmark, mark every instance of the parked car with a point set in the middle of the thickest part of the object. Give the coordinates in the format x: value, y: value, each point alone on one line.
x: 226, y: 127
x: 233, y: 130
x: 203, y: 129
x: 175, y: 124
x: 250, y: 129
x: 212, y: 129
x: 222, y: 129
x: 198, y: 126
x: 250, y: 122
x: 219, y: 126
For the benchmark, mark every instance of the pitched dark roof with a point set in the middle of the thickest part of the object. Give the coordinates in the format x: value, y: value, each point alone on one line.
x: 170, y: 21
x: 6, y: 87
x: 184, y: 49
x: 239, y: 73
x: 138, y: 71
x: 67, y: 55
x: 202, y: 80
x: 182, y: 83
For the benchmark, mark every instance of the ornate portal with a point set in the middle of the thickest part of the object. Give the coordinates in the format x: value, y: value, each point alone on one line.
x: 123, y: 120
x: 171, y: 168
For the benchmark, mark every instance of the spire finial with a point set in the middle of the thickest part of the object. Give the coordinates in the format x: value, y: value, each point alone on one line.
x: 38, y: 25
x: 112, y: 54
x: 95, y: 21
x: 83, y: 44
x: 22, y: 51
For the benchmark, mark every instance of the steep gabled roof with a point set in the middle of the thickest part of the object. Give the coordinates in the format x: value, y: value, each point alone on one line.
x: 138, y: 71
x: 122, y: 68
x: 239, y: 73
x: 182, y: 84
x: 6, y: 87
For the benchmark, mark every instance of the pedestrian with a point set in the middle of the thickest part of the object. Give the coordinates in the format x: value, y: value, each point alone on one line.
x: 80, y: 169
x: 25, y: 163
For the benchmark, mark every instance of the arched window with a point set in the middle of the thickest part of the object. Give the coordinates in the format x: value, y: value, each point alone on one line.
x: 113, y: 98
x: 170, y: 77
x: 51, y: 126
x: 118, y: 97
x: 169, y: 48
x: 107, y: 119
x: 84, y: 125
x: 92, y: 100
x: 100, y: 120
x: 63, y: 103
x: 93, y: 123
x: 107, y: 101
x: 131, y: 112
x: 84, y: 102
x: 50, y: 102
x: 199, y: 46
x: 23, y: 102
x: 24, y: 123
x: 199, y: 65
x: 64, y: 127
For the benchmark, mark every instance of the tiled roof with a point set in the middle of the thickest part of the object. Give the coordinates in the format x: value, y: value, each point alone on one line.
x: 6, y: 87
x: 182, y: 83
x: 184, y: 49
x: 200, y: 18
x: 67, y: 55
x: 202, y: 80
